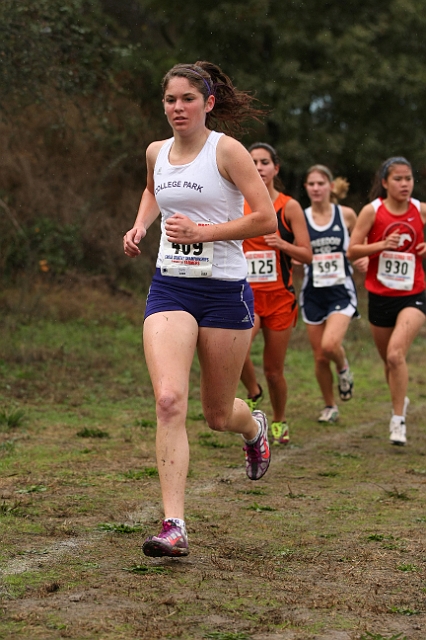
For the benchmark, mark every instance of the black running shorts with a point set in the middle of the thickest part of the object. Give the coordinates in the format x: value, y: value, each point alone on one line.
x: 383, y: 310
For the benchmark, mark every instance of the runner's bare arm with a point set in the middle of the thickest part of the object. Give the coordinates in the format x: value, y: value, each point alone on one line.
x: 349, y: 216
x: 421, y: 247
x: 235, y: 165
x: 148, y: 207
x: 301, y: 250
x: 357, y: 245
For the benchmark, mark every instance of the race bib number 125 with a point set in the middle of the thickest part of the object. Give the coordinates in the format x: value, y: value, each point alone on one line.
x: 261, y: 266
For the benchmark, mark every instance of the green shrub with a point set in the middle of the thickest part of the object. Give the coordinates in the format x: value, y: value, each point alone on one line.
x: 48, y: 246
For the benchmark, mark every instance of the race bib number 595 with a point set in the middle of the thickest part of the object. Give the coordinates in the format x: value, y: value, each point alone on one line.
x: 328, y: 269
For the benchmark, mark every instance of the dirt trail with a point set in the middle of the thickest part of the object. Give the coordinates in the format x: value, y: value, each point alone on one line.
x: 311, y: 551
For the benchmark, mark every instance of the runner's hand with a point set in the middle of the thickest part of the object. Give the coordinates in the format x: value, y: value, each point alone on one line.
x: 392, y: 240
x: 421, y: 249
x: 274, y: 241
x: 181, y: 229
x: 131, y: 240
x: 361, y: 264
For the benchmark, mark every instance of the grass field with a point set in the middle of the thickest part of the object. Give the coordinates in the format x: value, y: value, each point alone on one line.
x: 330, y: 545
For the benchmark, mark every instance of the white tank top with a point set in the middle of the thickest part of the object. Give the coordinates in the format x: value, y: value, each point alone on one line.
x: 198, y: 191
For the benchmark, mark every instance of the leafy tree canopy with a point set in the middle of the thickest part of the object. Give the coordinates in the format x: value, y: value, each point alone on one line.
x: 344, y: 81
x: 63, y: 45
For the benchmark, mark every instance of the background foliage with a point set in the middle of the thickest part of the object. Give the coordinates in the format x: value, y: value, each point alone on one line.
x: 343, y: 83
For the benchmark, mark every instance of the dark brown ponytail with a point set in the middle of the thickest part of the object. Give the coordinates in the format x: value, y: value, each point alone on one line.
x: 232, y: 106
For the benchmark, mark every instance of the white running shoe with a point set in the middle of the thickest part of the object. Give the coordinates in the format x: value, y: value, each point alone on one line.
x: 345, y: 383
x: 397, y: 431
x: 329, y: 414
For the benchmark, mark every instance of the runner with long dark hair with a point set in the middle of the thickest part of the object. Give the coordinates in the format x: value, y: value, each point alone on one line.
x: 270, y: 274
x: 390, y: 231
x: 199, y: 297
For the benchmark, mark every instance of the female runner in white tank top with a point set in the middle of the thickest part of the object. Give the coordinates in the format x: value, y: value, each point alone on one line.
x: 199, y: 298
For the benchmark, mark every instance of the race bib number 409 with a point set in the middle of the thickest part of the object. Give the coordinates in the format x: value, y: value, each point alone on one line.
x: 328, y: 269
x: 187, y: 260
x: 396, y: 270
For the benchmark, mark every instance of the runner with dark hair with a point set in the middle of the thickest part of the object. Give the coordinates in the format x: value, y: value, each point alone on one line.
x: 199, y: 299
x: 390, y: 231
x: 270, y: 273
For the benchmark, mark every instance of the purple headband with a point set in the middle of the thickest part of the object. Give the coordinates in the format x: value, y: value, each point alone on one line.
x: 209, y: 89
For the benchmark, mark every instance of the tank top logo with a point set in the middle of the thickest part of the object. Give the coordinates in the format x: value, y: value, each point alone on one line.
x: 177, y: 184
x: 326, y: 245
x: 407, y: 235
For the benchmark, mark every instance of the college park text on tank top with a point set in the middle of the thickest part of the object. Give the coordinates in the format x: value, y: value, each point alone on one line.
x: 329, y: 243
x: 198, y: 191
x: 396, y: 272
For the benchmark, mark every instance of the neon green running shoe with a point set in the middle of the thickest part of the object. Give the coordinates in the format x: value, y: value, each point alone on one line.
x: 280, y: 434
x: 255, y: 401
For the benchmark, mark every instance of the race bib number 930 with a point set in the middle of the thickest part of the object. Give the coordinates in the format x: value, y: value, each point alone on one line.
x: 396, y: 270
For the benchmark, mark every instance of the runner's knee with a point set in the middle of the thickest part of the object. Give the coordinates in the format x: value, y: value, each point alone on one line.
x: 218, y: 419
x: 330, y: 347
x: 321, y: 359
x: 273, y: 376
x: 395, y: 358
x: 169, y: 405
x: 218, y: 423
